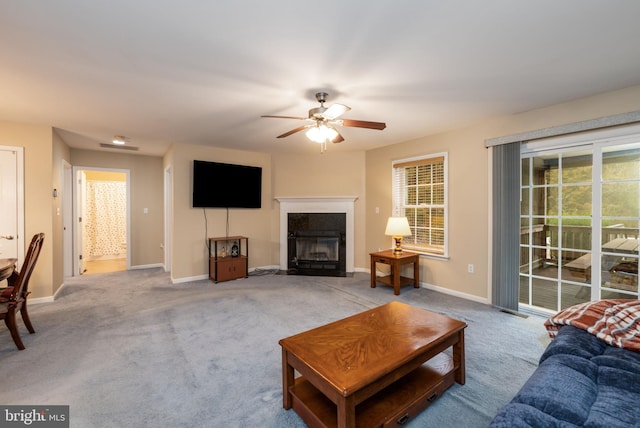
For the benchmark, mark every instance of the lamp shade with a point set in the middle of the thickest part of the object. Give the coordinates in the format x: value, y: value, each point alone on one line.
x: 321, y: 133
x: 398, y: 226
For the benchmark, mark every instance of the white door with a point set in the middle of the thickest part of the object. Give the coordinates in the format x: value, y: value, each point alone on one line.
x: 67, y: 218
x: 11, y: 201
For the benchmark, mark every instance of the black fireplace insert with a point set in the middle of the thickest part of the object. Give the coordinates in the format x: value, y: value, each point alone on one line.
x: 316, y: 244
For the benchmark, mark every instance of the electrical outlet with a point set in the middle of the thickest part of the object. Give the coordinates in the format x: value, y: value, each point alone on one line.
x: 470, y: 268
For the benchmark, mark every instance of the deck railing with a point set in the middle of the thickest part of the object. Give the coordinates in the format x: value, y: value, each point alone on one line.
x: 571, y: 238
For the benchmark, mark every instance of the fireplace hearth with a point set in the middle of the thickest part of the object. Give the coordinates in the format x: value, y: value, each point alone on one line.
x: 316, y: 244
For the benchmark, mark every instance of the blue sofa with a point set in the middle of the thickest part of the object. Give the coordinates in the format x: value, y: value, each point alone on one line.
x: 580, y: 382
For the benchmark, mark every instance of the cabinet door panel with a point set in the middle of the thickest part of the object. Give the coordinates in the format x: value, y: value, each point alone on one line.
x: 226, y: 270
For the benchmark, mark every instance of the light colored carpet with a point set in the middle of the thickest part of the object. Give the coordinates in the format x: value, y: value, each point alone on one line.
x: 129, y: 349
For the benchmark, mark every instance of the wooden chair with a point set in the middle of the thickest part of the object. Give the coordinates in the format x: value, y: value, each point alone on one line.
x: 14, y: 298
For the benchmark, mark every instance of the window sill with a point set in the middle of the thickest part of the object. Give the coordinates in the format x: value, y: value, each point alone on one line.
x: 428, y: 255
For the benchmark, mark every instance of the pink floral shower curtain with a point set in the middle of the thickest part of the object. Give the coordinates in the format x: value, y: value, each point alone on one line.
x: 105, y: 219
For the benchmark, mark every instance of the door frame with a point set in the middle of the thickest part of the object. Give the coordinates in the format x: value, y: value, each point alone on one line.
x: 77, y: 227
x: 596, y: 141
x: 168, y: 221
x: 67, y: 219
x: 20, y: 224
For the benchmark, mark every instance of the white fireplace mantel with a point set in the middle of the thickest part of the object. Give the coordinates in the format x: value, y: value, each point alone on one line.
x: 318, y: 204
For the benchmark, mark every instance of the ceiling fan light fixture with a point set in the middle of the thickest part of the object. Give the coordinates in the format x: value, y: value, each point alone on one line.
x: 321, y: 133
x: 322, y: 121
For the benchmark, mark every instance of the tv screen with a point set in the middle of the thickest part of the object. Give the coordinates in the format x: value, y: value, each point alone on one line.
x: 223, y: 185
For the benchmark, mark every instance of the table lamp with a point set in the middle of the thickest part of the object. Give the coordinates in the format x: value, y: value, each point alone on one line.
x: 398, y: 227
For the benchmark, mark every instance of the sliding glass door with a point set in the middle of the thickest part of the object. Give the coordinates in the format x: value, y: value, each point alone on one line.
x: 580, y: 213
x: 620, y: 221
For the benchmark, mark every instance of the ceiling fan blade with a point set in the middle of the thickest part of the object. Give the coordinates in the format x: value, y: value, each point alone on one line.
x: 339, y: 138
x: 335, y: 111
x: 286, y: 117
x: 293, y: 131
x: 363, y: 124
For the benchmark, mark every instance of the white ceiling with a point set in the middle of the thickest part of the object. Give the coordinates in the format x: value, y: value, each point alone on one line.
x: 203, y: 72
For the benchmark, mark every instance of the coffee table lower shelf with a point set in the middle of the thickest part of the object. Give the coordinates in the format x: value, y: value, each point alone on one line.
x: 388, y: 280
x: 394, y: 406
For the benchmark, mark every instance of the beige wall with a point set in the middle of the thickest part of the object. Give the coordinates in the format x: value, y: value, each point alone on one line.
x: 37, y: 143
x: 97, y: 175
x: 469, y: 197
x: 365, y: 175
x: 191, y: 228
x: 146, y: 187
x: 468, y: 216
x: 328, y: 174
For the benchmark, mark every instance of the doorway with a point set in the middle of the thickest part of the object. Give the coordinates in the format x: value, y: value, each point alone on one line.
x: 102, y: 212
x: 580, y: 222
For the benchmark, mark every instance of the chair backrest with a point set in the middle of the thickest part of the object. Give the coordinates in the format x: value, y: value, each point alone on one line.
x: 20, y: 281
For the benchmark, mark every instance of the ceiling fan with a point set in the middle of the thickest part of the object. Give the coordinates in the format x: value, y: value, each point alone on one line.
x: 323, y: 121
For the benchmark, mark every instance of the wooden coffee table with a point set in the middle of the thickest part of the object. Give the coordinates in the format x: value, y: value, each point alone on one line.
x: 377, y: 368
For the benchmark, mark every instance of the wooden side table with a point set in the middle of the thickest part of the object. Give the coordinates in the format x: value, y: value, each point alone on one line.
x: 395, y: 280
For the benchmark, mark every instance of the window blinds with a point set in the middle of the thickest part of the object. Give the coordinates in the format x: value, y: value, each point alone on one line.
x: 506, y: 226
x: 419, y: 193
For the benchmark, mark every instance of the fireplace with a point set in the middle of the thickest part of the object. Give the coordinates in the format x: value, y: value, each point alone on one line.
x: 316, y: 244
x: 314, y: 241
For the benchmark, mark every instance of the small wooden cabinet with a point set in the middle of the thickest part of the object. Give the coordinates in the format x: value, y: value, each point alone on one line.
x: 224, y: 263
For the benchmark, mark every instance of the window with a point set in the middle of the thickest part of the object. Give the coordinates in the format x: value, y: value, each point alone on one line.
x: 420, y: 194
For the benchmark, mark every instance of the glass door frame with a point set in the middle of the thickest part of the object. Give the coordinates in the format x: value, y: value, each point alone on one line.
x: 595, y: 142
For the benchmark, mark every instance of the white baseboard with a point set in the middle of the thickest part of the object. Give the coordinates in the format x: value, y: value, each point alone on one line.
x: 189, y: 279
x: 55, y: 295
x: 47, y: 299
x: 206, y: 276
x: 149, y: 266
x: 442, y: 290
x: 38, y: 300
x: 105, y: 257
x: 272, y: 267
x: 455, y: 293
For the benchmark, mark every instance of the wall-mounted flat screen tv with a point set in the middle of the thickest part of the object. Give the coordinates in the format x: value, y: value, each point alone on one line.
x: 223, y: 185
